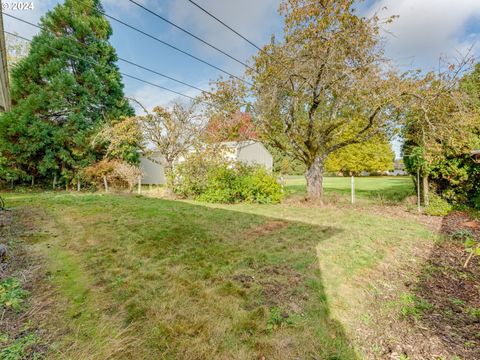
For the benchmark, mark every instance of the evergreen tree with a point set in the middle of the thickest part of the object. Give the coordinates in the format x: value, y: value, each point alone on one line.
x: 63, y: 92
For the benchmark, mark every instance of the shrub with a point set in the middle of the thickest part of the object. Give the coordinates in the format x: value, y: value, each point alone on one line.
x: 190, y: 176
x: 476, y: 201
x: 128, y: 173
x: 222, y: 185
x: 116, y: 172
x: 259, y: 186
x: 438, y: 206
x: 212, y: 179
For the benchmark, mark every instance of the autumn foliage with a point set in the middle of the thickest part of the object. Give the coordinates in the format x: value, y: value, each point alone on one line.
x: 237, y: 127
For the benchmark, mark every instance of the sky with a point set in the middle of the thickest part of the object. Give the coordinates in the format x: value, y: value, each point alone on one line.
x: 424, y: 31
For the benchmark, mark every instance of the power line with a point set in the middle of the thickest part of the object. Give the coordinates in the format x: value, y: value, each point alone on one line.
x: 122, y: 73
x: 171, y: 46
x: 191, y: 34
x: 165, y: 76
x: 224, y: 24
x: 243, y: 37
x: 121, y: 59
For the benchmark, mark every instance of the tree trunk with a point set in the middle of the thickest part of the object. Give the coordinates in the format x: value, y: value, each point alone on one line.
x: 425, y: 191
x: 169, y: 178
x: 314, y: 176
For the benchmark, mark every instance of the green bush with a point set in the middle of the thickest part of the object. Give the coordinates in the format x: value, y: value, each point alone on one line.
x: 259, y: 186
x: 218, y: 181
x: 222, y: 185
x: 438, y: 206
x: 476, y: 201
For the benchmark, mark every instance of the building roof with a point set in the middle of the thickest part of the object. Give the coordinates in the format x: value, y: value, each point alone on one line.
x: 239, y: 144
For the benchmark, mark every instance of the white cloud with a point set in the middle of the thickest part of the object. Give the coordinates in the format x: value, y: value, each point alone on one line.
x: 117, y: 7
x: 427, y: 29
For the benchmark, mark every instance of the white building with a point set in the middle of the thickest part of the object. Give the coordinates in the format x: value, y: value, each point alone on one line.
x: 249, y: 152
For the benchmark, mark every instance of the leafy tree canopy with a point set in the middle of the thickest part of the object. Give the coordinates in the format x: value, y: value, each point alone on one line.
x: 374, y: 155
x: 325, y: 85
x: 63, y: 91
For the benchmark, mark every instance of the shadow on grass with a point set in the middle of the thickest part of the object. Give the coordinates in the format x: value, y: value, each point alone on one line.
x: 195, y: 282
x: 447, y: 301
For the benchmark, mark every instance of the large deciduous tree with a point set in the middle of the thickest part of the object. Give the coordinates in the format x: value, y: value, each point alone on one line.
x: 324, y: 86
x: 63, y: 91
x: 172, y: 132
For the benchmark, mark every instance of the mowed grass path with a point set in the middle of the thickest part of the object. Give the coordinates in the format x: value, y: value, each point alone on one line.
x: 142, y: 278
x: 377, y: 188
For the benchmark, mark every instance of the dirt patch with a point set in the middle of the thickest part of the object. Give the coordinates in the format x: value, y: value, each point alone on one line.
x: 266, y: 228
x: 245, y: 280
x: 434, y: 316
x: 458, y: 221
x: 452, y: 290
x: 279, y: 286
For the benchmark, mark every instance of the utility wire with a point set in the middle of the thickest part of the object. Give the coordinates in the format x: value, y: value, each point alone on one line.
x: 191, y: 34
x: 170, y: 45
x: 119, y: 58
x: 122, y: 73
x: 224, y: 24
x: 243, y: 37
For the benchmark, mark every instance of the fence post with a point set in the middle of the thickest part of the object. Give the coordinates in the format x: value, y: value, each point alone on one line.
x: 139, y: 185
x: 105, y: 184
x: 54, y: 181
x: 418, y: 191
x: 78, y: 185
x: 353, y: 189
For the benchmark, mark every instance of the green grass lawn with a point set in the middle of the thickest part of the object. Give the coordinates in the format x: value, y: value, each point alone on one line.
x: 144, y: 278
x: 383, y: 188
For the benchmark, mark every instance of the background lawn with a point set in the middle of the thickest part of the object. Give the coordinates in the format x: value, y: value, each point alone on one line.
x: 148, y: 278
x: 383, y: 188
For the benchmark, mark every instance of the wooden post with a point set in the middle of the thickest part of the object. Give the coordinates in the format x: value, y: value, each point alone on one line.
x: 418, y: 191
x: 139, y: 185
x: 78, y: 185
x: 353, y: 189
x: 54, y: 181
x: 105, y: 184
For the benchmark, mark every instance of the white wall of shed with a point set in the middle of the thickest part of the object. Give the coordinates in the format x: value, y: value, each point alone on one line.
x: 255, y: 153
x: 153, y: 173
